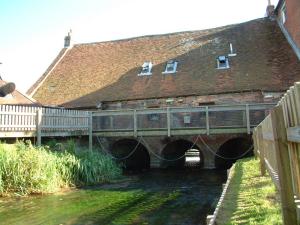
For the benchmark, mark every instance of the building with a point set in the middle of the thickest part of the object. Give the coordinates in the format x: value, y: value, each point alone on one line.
x: 288, y: 16
x: 10, y: 96
x: 251, y: 62
x: 241, y: 63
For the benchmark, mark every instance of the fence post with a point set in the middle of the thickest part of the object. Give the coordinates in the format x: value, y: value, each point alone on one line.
x: 90, y: 131
x: 169, y: 121
x: 282, y: 158
x: 207, y: 120
x: 38, y: 124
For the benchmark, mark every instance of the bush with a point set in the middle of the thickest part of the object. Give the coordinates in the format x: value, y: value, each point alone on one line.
x: 25, y: 169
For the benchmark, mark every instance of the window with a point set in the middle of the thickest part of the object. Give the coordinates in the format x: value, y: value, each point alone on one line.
x: 171, y: 67
x: 222, y: 62
x: 283, y: 13
x: 146, y: 69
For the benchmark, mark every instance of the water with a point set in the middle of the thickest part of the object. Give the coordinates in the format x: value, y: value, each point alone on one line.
x: 159, y: 197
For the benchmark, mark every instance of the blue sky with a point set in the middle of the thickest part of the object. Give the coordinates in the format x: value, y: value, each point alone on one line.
x: 32, y: 31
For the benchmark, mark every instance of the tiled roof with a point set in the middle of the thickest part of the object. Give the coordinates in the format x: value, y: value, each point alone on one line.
x: 15, y: 98
x: 107, y: 71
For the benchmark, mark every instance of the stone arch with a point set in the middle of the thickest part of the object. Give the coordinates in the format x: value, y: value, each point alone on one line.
x: 138, y: 160
x: 233, y: 149
x: 177, y: 148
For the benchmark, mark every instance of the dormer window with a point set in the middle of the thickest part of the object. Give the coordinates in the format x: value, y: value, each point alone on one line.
x: 171, y: 67
x: 222, y: 62
x: 146, y: 69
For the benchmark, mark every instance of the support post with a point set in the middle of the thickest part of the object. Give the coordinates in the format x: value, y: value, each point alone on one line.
x: 38, y: 124
x: 283, y: 164
x: 169, y: 122
x: 134, y: 124
x: 248, y: 119
x: 90, y: 131
x: 207, y: 120
x: 260, y: 148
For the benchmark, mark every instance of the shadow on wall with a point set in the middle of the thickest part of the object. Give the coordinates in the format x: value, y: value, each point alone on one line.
x: 233, y: 150
x: 131, y: 154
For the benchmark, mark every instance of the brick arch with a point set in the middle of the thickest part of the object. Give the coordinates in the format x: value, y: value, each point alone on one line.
x: 138, y: 160
x: 177, y: 147
x: 233, y: 149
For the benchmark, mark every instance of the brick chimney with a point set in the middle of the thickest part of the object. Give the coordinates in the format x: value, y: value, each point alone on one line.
x: 67, y: 43
x: 270, y: 12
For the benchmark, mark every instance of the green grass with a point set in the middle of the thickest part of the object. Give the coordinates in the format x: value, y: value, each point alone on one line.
x: 26, y: 169
x: 251, y: 198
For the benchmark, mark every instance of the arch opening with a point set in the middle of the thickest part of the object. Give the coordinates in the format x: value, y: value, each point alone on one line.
x: 233, y: 150
x: 180, y: 154
x: 131, y: 154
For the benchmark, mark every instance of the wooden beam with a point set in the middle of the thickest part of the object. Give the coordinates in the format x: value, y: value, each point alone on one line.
x: 169, y: 122
x: 248, y: 119
x: 207, y: 119
x: 38, y: 123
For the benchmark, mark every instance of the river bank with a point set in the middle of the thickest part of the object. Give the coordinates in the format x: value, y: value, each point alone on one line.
x: 250, y: 198
x: 26, y: 169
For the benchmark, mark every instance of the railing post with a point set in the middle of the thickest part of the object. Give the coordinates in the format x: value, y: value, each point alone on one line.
x: 207, y: 120
x: 90, y: 131
x: 248, y: 119
x: 134, y: 124
x: 38, y: 124
x: 169, y: 121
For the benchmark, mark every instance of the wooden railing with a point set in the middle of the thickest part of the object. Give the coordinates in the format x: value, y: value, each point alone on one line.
x: 22, y: 121
x: 277, y: 144
x: 180, y: 120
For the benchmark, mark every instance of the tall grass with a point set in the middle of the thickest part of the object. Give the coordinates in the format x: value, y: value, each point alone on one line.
x: 26, y: 169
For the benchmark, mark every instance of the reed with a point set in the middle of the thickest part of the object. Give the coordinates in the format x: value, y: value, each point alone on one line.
x: 26, y: 169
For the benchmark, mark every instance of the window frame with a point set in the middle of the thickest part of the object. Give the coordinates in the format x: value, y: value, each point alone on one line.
x: 175, y: 63
x: 219, y: 67
x: 150, y: 65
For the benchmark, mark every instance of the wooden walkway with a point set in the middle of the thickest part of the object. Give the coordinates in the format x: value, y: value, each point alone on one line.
x: 26, y: 121
x: 174, y: 121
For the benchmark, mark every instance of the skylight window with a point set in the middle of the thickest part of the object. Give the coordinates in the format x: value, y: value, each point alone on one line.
x: 222, y: 62
x: 146, y: 69
x: 171, y: 67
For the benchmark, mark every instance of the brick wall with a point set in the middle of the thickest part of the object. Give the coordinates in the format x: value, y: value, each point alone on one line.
x: 292, y: 23
x: 232, y: 98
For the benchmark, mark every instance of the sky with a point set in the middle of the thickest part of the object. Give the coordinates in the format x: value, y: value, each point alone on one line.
x: 32, y: 31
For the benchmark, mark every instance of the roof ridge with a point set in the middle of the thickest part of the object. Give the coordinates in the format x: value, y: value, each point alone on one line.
x: 166, y: 34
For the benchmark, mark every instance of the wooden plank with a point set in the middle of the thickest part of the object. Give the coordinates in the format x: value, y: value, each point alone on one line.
x: 261, y: 150
x: 293, y: 134
x: 285, y: 179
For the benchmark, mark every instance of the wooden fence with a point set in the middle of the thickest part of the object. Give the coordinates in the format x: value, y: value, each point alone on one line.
x: 29, y: 121
x: 277, y: 144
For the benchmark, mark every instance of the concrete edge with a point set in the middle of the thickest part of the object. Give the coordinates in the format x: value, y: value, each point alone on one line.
x: 211, y: 219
